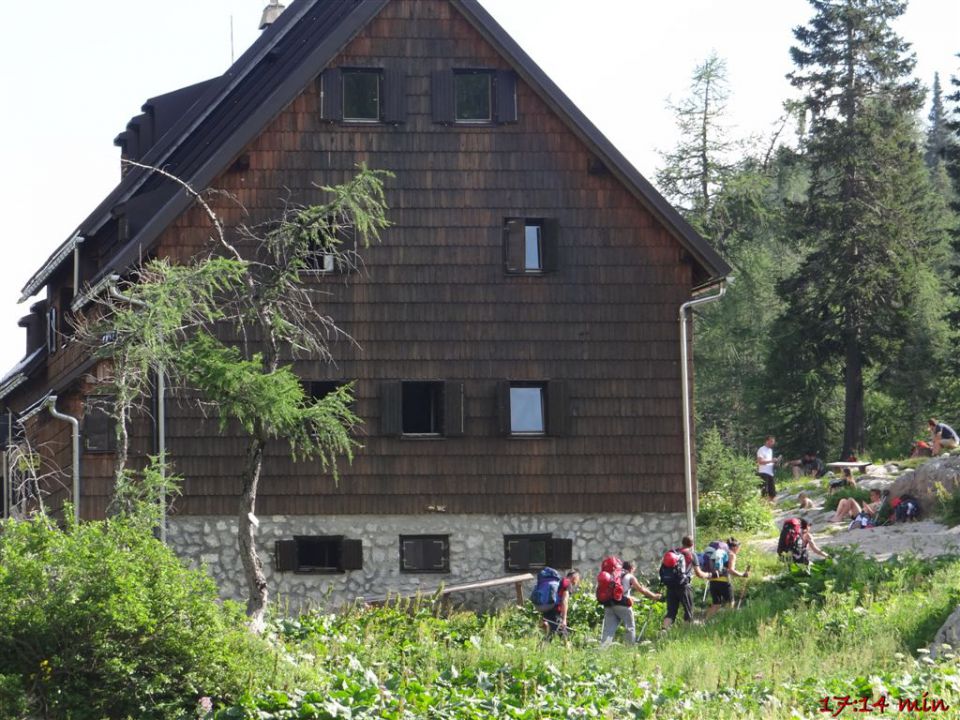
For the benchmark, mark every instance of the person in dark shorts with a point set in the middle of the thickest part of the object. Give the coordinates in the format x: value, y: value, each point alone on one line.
x: 680, y: 594
x: 765, y: 468
x: 555, y: 620
x: 721, y: 589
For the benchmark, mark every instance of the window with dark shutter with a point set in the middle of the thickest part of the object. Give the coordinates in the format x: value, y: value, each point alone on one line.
x: 362, y: 95
x: 532, y: 409
x: 421, y: 408
x: 525, y: 552
x: 99, y: 427
x: 530, y: 245
x: 318, y: 554
x: 560, y: 553
x: 505, y: 83
x: 331, y: 95
x: 473, y: 96
x: 425, y: 553
x: 557, y: 408
x: 453, y: 423
x: 390, y: 421
x: 394, y: 96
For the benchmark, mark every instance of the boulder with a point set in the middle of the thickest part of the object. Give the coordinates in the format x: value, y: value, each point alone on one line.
x: 949, y: 635
x: 921, y: 483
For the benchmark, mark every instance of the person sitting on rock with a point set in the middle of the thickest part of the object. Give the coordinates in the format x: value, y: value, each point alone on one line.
x: 850, y: 508
x: 809, y: 464
x: 804, y: 501
x: 944, y: 436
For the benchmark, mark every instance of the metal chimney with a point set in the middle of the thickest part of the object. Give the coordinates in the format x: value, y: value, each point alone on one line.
x: 270, y: 13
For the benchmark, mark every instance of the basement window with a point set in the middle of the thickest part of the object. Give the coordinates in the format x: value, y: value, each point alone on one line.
x: 533, y: 552
x: 425, y: 553
x: 318, y: 554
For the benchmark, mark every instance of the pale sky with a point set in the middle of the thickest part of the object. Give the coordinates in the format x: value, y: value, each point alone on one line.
x: 74, y: 72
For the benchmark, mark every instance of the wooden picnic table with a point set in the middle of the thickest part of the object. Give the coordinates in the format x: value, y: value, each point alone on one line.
x: 840, y: 464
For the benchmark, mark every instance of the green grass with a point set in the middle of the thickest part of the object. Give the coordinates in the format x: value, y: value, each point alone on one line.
x: 798, y: 637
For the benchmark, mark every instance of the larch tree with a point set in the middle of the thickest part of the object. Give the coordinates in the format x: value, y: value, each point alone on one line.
x: 874, y: 226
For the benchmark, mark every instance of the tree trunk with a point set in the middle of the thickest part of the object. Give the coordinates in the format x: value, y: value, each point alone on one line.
x: 257, y: 593
x: 853, y: 421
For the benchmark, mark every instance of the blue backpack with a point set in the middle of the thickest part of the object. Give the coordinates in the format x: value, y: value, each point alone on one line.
x: 716, y: 558
x: 546, y: 593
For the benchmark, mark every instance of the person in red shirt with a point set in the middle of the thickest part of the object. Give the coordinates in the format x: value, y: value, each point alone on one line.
x: 555, y: 620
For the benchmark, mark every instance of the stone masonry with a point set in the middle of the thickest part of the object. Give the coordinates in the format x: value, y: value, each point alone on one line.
x: 476, y: 550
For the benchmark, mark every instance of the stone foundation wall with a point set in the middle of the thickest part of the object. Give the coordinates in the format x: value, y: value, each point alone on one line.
x: 476, y: 550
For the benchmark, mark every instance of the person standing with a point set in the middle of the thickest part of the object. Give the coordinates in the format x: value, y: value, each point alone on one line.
x: 944, y: 436
x: 555, y: 619
x: 679, y: 592
x: 765, y: 467
x: 622, y: 613
x: 721, y: 589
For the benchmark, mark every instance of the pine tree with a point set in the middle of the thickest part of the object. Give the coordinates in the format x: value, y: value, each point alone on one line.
x: 694, y: 170
x: 871, y: 220
x: 938, y: 134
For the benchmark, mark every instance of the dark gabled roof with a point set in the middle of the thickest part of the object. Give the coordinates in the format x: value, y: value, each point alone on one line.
x: 235, y: 108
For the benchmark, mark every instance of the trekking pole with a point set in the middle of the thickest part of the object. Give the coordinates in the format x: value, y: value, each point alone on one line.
x: 646, y: 621
x: 743, y: 593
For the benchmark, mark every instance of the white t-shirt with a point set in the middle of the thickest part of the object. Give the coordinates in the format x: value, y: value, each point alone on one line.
x: 627, y: 582
x: 766, y: 454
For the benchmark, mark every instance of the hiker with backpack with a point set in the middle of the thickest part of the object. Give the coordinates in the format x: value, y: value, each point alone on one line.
x: 614, y: 586
x: 676, y: 571
x: 796, y: 542
x: 720, y: 562
x: 550, y: 597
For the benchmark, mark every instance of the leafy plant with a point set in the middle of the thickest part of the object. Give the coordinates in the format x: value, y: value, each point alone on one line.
x: 729, y: 497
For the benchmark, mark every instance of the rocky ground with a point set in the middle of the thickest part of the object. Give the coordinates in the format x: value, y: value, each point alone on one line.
x: 925, y: 537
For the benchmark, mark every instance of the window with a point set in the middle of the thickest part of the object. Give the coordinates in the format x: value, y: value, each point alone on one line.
x: 99, y: 426
x: 364, y: 95
x: 532, y: 409
x: 425, y: 553
x: 318, y: 554
x: 532, y: 552
x: 319, y: 389
x: 527, y: 411
x: 474, y: 96
x: 417, y: 408
x: 361, y: 95
x: 530, y: 245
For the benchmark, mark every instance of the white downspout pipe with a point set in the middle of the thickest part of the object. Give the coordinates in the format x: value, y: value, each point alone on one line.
x: 685, y: 392
x: 161, y: 420
x: 78, y: 241
x: 75, y: 425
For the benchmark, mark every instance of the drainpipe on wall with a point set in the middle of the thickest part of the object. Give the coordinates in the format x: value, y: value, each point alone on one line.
x: 685, y: 392
x: 78, y: 241
x: 52, y: 405
x: 161, y: 420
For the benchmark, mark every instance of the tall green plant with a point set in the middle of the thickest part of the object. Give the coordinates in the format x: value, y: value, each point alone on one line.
x: 729, y: 496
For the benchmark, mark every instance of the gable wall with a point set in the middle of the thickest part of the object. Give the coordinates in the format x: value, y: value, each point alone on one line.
x: 434, y: 303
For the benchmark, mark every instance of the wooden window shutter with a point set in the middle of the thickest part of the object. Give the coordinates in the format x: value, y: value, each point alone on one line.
x: 411, y: 554
x: 514, y: 232
x: 506, y: 89
x: 394, y: 96
x: 434, y: 554
x: 442, y: 97
x: 560, y: 553
x: 331, y: 95
x: 550, y: 244
x: 453, y: 409
x: 557, y: 408
x: 391, y: 423
x: 518, y: 554
x: 285, y: 555
x: 351, y: 555
x: 503, y: 406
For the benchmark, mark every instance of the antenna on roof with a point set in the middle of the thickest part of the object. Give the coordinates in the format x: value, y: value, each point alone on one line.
x: 270, y: 13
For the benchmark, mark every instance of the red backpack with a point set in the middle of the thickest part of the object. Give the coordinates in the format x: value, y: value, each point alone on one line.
x: 610, y: 582
x: 791, y: 541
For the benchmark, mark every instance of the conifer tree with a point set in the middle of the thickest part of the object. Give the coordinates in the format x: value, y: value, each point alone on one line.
x: 874, y: 227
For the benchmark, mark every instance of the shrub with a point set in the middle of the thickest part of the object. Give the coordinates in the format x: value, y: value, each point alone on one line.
x: 102, y: 620
x: 729, y: 488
